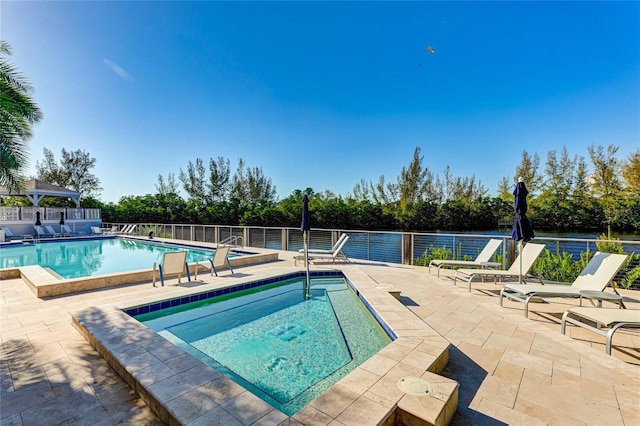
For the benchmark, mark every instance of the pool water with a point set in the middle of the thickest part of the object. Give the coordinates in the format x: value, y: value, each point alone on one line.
x: 285, y: 347
x: 89, y: 257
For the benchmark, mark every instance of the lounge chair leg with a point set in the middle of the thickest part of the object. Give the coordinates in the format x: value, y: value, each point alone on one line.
x: 186, y: 265
x: 229, y: 264
x: 213, y: 268
x: 526, y: 306
x: 563, y: 324
x: 610, y: 336
x: 161, y: 276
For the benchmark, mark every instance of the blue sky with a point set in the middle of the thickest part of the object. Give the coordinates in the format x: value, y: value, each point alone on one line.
x: 324, y: 94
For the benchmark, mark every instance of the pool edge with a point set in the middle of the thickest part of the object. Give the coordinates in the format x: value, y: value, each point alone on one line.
x: 423, y: 350
x: 43, y: 284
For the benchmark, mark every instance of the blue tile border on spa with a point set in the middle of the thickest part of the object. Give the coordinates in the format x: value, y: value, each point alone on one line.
x: 183, y: 300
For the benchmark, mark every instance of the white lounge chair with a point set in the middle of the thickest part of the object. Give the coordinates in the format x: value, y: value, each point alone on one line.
x: 219, y: 259
x: 109, y: 231
x: 613, y: 319
x: 42, y: 232
x: 127, y: 229
x: 8, y: 234
x: 66, y: 230
x: 519, y: 268
x: 52, y: 231
x: 11, y: 236
x: 481, y: 261
x: 173, y: 263
x: 338, y: 254
x: 600, y: 270
x: 327, y: 251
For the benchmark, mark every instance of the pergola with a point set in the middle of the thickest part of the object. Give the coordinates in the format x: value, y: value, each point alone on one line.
x: 36, y: 190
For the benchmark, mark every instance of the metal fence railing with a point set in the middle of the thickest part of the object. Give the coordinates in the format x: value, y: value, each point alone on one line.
x: 390, y: 247
x: 393, y: 247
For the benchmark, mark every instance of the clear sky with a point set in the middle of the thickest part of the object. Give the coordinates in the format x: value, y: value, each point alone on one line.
x: 324, y: 94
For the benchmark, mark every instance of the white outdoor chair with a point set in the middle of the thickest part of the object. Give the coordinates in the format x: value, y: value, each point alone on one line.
x: 173, y: 263
x: 219, y: 259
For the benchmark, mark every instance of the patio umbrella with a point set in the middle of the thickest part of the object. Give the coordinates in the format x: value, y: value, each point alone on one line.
x: 38, y: 223
x: 522, y: 230
x: 61, y: 220
x: 304, y: 227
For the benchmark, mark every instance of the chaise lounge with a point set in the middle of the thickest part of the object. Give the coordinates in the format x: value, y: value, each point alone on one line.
x: 333, y: 255
x: 328, y: 251
x: 600, y: 270
x: 11, y: 236
x: 613, y: 319
x: 481, y: 261
x: 519, y: 268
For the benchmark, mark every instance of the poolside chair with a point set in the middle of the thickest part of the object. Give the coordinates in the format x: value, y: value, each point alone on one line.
x: 52, y: 231
x: 518, y: 269
x: 600, y: 270
x: 173, y: 263
x: 481, y: 261
x: 127, y: 229
x: 327, y: 251
x: 109, y: 231
x: 8, y: 234
x: 219, y: 259
x: 66, y: 230
x: 11, y: 236
x: 613, y: 319
x: 42, y: 232
x: 337, y: 254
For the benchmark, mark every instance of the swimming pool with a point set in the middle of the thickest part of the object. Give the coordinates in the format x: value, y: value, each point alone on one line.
x: 283, y: 346
x: 90, y: 257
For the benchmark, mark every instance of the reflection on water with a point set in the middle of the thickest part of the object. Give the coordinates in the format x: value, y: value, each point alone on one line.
x: 73, y: 259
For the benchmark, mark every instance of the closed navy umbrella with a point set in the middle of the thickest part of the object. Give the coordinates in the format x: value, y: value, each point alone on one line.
x: 305, y: 227
x: 38, y: 223
x: 522, y: 230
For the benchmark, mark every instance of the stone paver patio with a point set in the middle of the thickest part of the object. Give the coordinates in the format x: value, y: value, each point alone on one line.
x: 511, y: 370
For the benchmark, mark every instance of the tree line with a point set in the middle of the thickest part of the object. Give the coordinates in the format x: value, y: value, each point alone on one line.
x: 567, y: 194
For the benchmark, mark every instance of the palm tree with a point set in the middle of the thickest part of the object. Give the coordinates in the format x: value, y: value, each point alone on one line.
x: 18, y: 113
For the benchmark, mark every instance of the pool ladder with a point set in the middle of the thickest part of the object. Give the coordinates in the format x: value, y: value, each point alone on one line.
x: 232, y: 241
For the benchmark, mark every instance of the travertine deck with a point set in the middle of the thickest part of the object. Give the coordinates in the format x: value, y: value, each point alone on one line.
x: 510, y: 369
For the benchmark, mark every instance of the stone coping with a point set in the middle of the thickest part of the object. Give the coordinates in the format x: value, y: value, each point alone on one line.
x: 45, y: 283
x: 182, y: 390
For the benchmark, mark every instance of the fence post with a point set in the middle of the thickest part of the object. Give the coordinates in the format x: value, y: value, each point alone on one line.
x: 285, y: 242
x: 406, y: 249
x: 512, y: 252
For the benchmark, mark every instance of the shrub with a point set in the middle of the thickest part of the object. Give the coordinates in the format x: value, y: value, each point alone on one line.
x: 442, y: 253
x: 559, y: 266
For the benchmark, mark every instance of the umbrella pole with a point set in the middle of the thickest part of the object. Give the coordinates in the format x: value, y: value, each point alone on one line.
x: 520, y: 257
x: 306, y: 259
